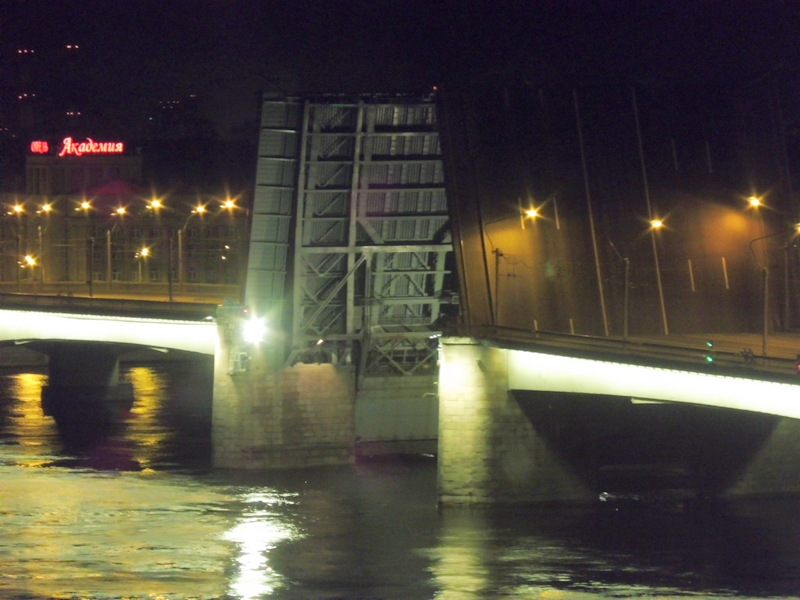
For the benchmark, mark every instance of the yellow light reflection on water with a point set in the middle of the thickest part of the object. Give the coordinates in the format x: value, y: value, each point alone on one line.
x: 27, y: 388
x: 149, y: 393
x: 30, y: 426
x: 70, y: 534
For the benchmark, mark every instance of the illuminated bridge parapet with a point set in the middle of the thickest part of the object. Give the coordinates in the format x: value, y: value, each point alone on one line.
x: 19, y: 326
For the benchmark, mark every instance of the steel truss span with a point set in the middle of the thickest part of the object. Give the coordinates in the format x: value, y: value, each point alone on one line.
x: 350, y: 243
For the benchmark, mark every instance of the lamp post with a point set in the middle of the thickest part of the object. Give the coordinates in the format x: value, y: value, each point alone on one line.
x: 756, y: 203
x: 85, y: 206
x: 155, y: 205
x: 764, y: 267
x: 626, y: 282
x: 655, y: 225
x: 143, y: 254
x: 235, y: 251
x: 532, y: 213
x: 44, y: 210
x: 19, y: 211
x: 118, y: 212
x: 200, y: 210
x: 19, y: 261
x: 169, y: 270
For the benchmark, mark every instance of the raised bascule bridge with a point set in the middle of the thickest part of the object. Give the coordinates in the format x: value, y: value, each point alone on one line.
x: 412, y: 302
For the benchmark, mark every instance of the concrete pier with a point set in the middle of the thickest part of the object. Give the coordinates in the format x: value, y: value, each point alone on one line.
x: 489, y: 452
x: 83, y: 382
x: 267, y: 416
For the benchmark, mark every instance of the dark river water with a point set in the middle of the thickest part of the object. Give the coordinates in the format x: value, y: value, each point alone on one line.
x: 139, y: 513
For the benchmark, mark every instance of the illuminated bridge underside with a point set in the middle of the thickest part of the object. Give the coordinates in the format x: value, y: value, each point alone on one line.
x: 27, y: 326
x: 546, y: 372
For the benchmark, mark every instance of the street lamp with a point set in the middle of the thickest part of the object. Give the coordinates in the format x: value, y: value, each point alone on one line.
x: 531, y: 213
x: 85, y: 206
x: 200, y: 210
x: 765, y: 281
x: 45, y: 210
x: 29, y: 262
x: 119, y: 212
x: 657, y: 224
x: 142, y: 255
x: 18, y: 210
x: 626, y: 282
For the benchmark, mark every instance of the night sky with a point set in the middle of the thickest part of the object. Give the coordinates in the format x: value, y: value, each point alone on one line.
x: 137, y: 52
x: 717, y: 84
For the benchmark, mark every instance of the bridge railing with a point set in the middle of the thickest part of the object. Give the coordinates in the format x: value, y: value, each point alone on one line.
x: 699, y: 357
x: 192, y: 311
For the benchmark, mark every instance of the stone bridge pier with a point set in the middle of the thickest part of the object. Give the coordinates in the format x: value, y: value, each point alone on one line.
x: 83, y: 383
x: 489, y: 451
x: 268, y: 416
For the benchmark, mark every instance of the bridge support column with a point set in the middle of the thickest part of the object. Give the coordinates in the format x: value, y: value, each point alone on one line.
x: 489, y: 452
x: 266, y: 416
x: 83, y: 385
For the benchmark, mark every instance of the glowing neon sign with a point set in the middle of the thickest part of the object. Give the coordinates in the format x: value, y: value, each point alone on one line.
x: 40, y: 147
x: 71, y: 147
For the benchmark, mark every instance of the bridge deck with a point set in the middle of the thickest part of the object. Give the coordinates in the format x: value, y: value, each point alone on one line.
x: 685, y: 351
x: 156, y: 309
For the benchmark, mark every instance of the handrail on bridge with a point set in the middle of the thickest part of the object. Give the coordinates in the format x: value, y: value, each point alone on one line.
x: 189, y: 311
x: 722, y: 361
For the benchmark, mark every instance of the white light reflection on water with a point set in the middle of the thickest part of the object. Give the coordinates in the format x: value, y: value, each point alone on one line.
x: 256, y: 533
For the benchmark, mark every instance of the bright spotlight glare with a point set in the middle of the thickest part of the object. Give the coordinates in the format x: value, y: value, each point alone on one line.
x: 253, y: 330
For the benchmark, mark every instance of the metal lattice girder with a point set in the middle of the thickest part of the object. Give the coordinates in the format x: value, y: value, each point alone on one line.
x: 362, y: 179
x: 404, y: 350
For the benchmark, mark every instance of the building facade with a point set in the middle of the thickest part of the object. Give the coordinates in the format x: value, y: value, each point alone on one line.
x: 86, y: 218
